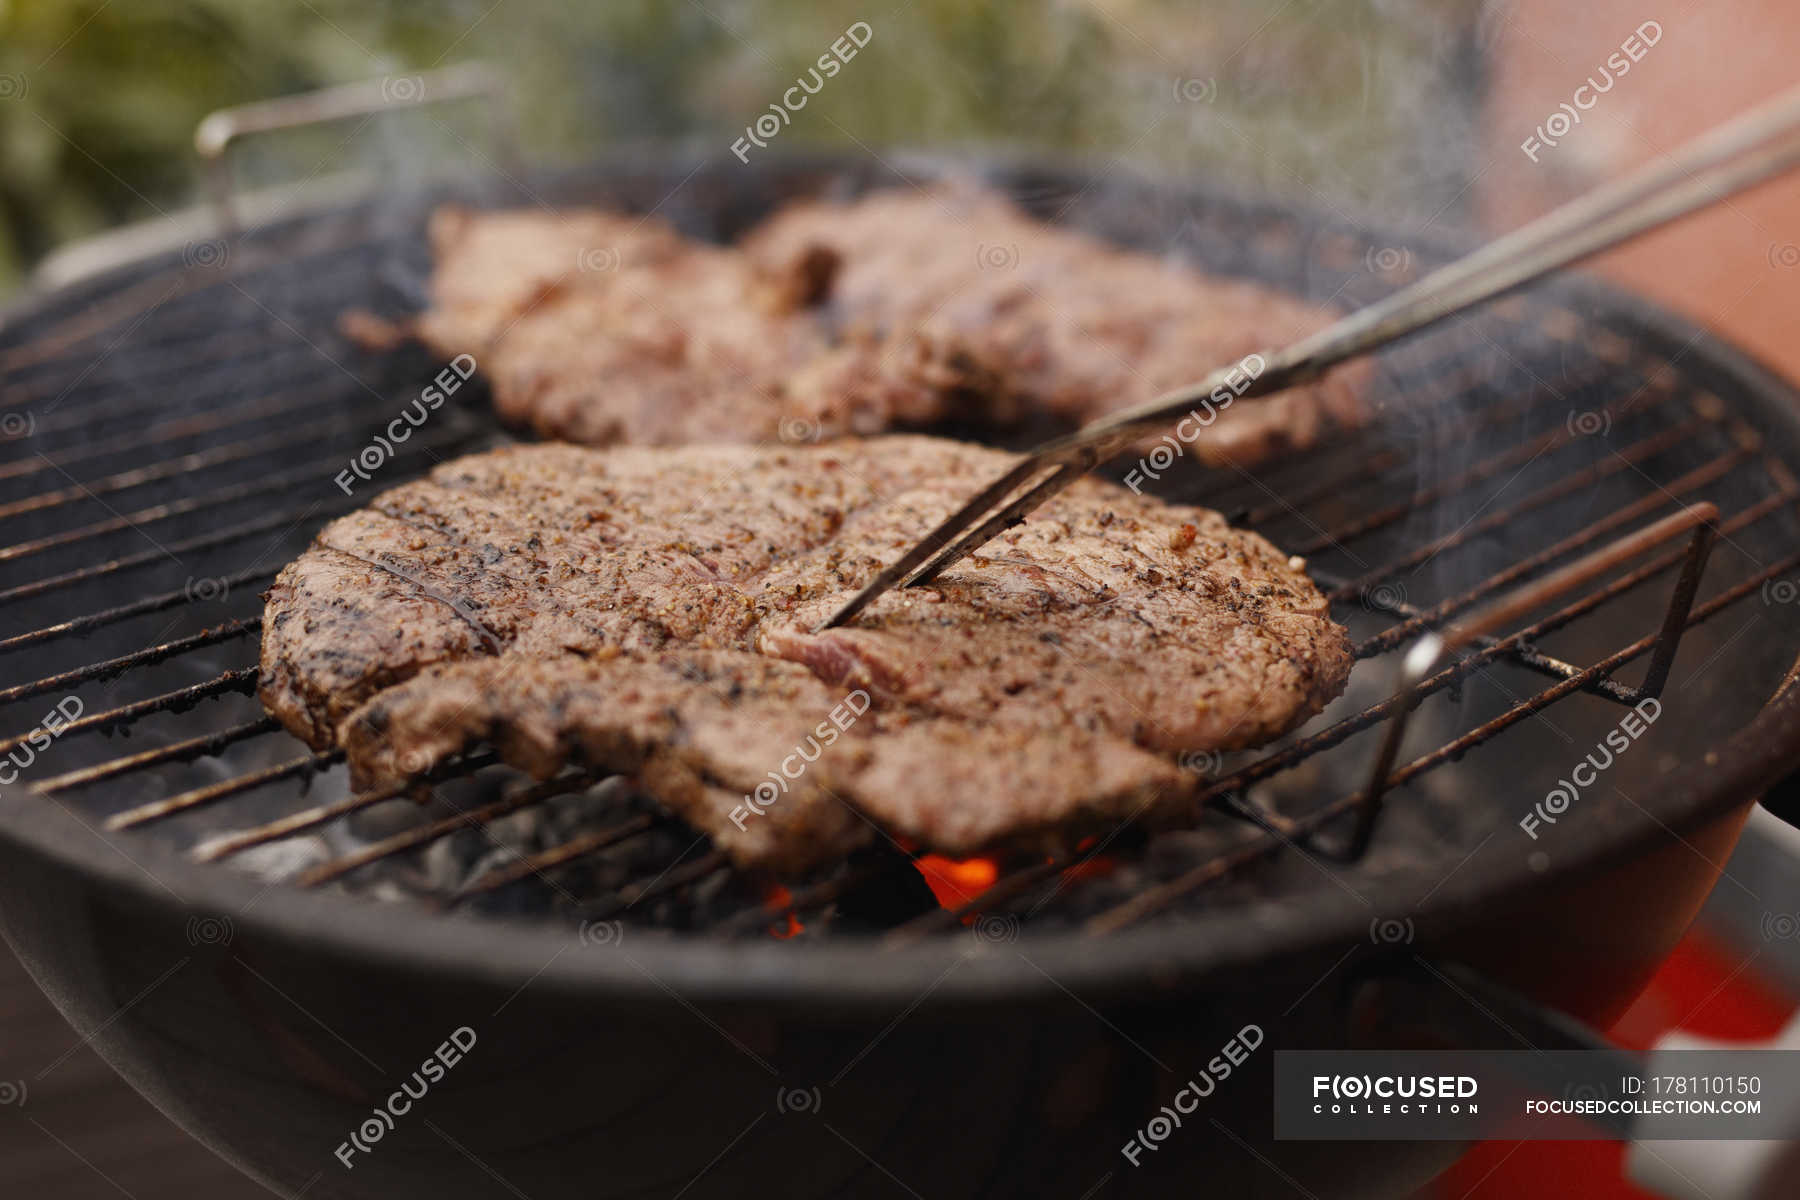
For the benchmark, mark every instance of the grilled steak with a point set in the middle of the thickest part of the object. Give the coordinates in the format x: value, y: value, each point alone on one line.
x: 902, y: 309
x: 652, y: 611
x: 602, y: 329
x: 968, y: 295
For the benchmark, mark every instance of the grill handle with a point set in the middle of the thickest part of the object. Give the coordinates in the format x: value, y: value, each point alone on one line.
x: 218, y: 131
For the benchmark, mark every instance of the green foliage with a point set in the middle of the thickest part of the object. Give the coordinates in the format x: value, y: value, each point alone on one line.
x: 98, y: 100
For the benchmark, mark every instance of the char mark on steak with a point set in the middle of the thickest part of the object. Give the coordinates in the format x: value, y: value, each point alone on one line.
x: 904, y: 309
x: 653, y: 611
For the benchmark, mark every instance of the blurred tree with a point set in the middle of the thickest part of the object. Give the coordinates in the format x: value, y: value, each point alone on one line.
x: 1343, y: 98
x: 101, y: 100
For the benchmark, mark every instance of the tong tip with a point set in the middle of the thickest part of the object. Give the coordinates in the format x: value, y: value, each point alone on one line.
x: 940, y: 549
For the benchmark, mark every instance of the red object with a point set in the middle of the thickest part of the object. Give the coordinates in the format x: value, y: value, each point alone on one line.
x: 955, y: 882
x: 1706, y: 988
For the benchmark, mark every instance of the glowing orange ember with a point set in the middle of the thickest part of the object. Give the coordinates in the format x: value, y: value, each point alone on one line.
x: 779, y: 900
x: 955, y: 882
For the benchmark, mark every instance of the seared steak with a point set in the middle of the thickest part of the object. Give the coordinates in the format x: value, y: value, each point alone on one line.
x: 652, y: 611
x: 602, y: 328
x: 968, y: 296
x: 903, y: 309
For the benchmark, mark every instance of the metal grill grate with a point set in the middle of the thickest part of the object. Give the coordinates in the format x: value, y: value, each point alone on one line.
x: 172, y: 456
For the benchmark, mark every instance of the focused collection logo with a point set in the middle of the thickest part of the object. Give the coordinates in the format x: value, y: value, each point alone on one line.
x: 1396, y: 1095
x: 1531, y: 1095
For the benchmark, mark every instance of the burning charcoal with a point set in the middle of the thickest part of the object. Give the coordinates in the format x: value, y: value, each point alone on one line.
x: 388, y: 818
x: 449, y: 862
x: 284, y: 859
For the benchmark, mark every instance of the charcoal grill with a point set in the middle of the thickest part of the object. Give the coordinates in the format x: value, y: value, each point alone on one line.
x: 267, y: 955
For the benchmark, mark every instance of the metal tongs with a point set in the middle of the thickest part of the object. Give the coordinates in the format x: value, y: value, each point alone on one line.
x: 1755, y: 147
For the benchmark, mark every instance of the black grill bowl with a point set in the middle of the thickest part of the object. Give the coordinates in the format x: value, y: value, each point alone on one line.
x: 656, y: 1055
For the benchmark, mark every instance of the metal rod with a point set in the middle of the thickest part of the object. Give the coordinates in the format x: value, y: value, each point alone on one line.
x: 1390, y: 638
x: 1529, y: 657
x: 238, y: 353
x: 149, y: 604
x: 1155, y: 899
x: 526, y: 866
x: 1434, y: 648
x: 288, y: 518
x: 280, y: 441
x: 1513, y: 457
x: 1700, y: 517
x: 309, y: 474
x: 243, y: 681
x: 473, y: 818
x: 1736, y: 156
x: 1368, y: 468
x: 806, y: 900
x: 114, y: 667
x: 1570, y: 484
x: 163, y: 294
x: 158, y: 810
x: 216, y: 134
x: 228, y: 844
x: 206, y: 745
x: 137, y: 441
x: 673, y: 879
x: 1344, y: 728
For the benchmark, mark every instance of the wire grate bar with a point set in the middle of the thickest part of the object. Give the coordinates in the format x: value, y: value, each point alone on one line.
x: 1369, y: 468
x: 303, y: 767
x: 243, y: 681
x: 286, y: 519
x: 1562, y: 489
x: 114, y: 667
x: 1699, y: 523
x: 1523, y: 654
x: 1001, y: 891
x: 75, y: 413
x: 1447, y: 378
x: 1155, y: 899
x: 204, y: 746
x: 576, y: 847
x: 673, y: 879
x: 164, y: 294
x: 124, y: 612
x: 229, y: 416
x: 227, y: 844
x: 281, y: 441
x: 310, y: 474
x: 809, y: 899
x: 1306, y: 747
x: 1517, y: 456
x: 1417, y: 622
x: 473, y: 818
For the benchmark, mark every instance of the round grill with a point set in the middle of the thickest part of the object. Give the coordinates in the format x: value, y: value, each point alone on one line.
x: 174, y: 430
